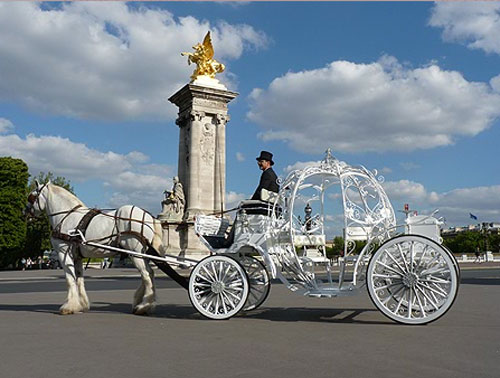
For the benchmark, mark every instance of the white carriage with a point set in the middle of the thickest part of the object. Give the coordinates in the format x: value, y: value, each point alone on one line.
x: 411, y: 278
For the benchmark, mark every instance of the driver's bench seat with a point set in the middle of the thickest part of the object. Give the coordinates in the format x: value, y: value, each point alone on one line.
x: 212, y: 230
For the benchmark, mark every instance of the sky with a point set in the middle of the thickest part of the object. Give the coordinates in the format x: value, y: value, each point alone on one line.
x: 411, y: 89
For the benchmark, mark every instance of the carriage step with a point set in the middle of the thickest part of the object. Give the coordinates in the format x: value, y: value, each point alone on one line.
x: 316, y: 294
x: 332, y: 292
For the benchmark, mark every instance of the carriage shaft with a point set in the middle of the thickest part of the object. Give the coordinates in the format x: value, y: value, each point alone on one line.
x: 170, y: 259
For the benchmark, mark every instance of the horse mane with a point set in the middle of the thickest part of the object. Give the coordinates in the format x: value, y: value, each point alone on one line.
x: 56, y: 188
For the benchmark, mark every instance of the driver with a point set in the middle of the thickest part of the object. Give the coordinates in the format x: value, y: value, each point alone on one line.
x: 268, y: 179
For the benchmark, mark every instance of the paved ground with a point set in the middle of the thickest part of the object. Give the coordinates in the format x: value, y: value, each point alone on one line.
x: 290, y: 336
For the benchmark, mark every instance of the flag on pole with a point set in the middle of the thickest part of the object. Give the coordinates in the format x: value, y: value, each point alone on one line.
x: 473, y: 216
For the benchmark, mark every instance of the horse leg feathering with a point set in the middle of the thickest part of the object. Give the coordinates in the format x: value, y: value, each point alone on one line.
x: 145, y: 296
x: 82, y: 294
x: 73, y: 303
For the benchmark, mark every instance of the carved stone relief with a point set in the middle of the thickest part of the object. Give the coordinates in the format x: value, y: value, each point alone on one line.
x: 207, y: 142
x: 222, y: 119
x: 210, y: 103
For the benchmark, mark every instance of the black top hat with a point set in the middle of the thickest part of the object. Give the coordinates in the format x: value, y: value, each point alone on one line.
x: 266, y: 155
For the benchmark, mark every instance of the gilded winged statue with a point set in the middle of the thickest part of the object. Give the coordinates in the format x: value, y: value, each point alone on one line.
x: 203, y: 57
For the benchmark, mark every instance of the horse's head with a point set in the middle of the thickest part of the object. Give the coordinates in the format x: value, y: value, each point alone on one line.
x: 37, y: 200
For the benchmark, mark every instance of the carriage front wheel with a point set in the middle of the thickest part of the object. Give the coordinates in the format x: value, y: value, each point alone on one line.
x: 412, y: 279
x: 218, y: 287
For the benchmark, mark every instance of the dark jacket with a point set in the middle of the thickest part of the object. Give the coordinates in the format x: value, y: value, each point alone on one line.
x: 268, y: 180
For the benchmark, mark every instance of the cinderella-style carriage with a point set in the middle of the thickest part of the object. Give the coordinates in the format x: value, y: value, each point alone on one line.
x: 411, y: 278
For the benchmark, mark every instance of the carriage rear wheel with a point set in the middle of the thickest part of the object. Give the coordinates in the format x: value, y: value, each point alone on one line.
x: 258, y: 278
x: 218, y: 287
x: 412, y: 279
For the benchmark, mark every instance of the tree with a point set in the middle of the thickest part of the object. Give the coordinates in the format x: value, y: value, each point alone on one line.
x: 465, y: 242
x: 494, y: 242
x: 13, y: 191
x: 338, y: 247
x: 38, y: 231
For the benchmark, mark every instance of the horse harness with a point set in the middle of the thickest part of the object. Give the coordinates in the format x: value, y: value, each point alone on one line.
x: 89, y: 216
x: 82, y: 225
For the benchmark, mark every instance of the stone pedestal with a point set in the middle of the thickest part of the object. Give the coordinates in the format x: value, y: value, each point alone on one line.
x: 180, y: 240
x: 202, y: 158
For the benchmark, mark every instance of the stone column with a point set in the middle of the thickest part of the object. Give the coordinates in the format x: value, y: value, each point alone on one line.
x: 220, y: 161
x: 183, y: 151
x: 193, y: 165
x: 203, y: 115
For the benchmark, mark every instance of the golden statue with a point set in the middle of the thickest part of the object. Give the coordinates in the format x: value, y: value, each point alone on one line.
x: 203, y: 58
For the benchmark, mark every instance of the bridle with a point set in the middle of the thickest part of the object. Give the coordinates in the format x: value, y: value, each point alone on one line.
x: 33, y: 198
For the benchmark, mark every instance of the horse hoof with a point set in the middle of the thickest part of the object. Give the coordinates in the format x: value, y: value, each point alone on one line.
x: 69, y: 310
x: 85, y: 308
x: 143, y: 310
x: 65, y: 311
x: 140, y: 310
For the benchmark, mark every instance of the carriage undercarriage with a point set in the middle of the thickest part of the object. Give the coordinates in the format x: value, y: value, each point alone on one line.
x: 410, y: 277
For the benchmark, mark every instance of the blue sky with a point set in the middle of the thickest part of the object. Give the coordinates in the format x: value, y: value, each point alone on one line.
x: 411, y: 89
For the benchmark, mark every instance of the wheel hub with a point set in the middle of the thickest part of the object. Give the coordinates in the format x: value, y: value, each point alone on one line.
x: 410, y: 280
x: 218, y: 287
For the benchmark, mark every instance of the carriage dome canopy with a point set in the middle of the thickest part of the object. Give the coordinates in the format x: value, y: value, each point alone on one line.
x: 367, y: 211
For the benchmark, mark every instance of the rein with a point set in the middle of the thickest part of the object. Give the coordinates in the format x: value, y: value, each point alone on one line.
x: 68, y: 212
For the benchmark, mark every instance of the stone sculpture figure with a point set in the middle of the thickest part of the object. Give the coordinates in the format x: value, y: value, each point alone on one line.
x: 174, y: 203
x: 203, y: 57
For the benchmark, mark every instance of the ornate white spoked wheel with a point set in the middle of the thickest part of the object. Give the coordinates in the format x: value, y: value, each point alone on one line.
x: 259, y: 281
x: 412, y: 279
x: 218, y: 287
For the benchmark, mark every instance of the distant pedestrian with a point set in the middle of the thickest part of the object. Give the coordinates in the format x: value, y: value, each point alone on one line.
x: 105, y: 263
x: 478, y: 256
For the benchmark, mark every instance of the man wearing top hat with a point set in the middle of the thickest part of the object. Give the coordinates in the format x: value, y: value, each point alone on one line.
x: 268, y: 179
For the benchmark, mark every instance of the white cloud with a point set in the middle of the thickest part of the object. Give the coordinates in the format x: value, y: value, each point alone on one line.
x: 233, y: 199
x: 405, y: 190
x: 105, y: 60
x: 408, y: 165
x: 372, y: 107
x: 5, y: 125
x: 139, y: 189
x: 61, y: 156
x: 479, y: 199
x: 495, y: 83
x: 133, y: 181
x: 299, y: 165
x: 482, y: 201
x: 232, y: 4
x: 386, y: 170
x: 454, y: 205
x: 128, y: 176
x: 240, y: 157
x: 475, y: 24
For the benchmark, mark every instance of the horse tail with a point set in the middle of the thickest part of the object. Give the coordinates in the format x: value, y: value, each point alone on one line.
x: 157, y: 249
x: 157, y: 241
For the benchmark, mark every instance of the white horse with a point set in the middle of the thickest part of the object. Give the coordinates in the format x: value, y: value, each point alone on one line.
x: 128, y: 227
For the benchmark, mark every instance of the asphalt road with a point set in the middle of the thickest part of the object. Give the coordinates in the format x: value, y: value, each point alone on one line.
x: 289, y: 336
